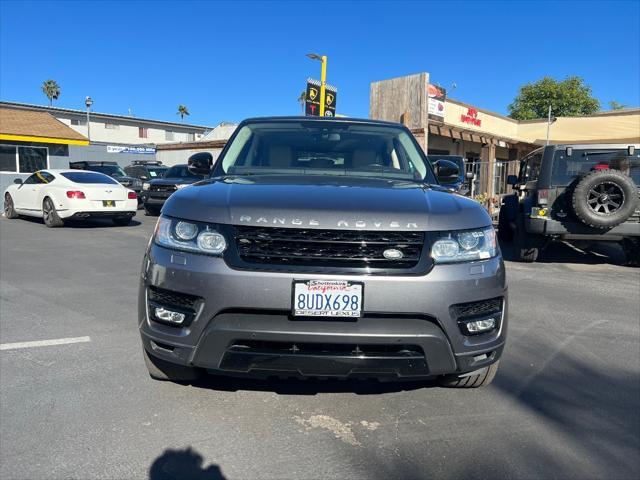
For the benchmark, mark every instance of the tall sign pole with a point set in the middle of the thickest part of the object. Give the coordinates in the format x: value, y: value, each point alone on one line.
x: 323, y: 83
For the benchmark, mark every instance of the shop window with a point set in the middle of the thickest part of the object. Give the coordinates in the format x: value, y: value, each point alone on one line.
x: 190, y: 137
x: 143, y: 132
x: 7, y: 158
x: 111, y: 126
x: 31, y: 159
x: 81, y: 122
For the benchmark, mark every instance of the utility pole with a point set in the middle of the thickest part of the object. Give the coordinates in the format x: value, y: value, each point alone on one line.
x: 88, y: 102
x: 548, y: 124
x: 323, y: 78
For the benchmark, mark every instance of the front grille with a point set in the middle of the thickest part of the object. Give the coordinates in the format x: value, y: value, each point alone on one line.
x: 170, y: 298
x: 328, y: 349
x: 162, y: 188
x: 330, y: 248
x: 477, y: 309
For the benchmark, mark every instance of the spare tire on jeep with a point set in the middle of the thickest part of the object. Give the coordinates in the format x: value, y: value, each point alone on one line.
x: 604, y: 198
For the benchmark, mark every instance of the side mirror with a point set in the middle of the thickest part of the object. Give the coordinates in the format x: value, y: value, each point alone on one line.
x: 144, y: 177
x: 200, y: 163
x: 446, y: 171
x: 18, y: 181
x: 470, y: 175
x: 512, y: 180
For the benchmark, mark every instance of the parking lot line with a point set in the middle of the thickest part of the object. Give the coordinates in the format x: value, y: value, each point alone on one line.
x: 43, y: 343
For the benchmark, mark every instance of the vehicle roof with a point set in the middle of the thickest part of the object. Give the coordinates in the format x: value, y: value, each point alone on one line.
x: 592, y: 146
x: 68, y: 170
x: 361, y: 121
x: 95, y: 162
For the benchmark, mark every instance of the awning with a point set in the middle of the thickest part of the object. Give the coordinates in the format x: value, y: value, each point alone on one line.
x: 450, y: 131
x: 36, y: 127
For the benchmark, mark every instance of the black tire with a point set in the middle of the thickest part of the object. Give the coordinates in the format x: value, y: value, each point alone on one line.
x: 162, y: 370
x: 49, y: 214
x: 9, y: 209
x: 527, y: 245
x: 122, y: 221
x: 152, y: 211
x: 505, y: 232
x: 480, y: 379
x: 631, y: 247
x: 605, y: 198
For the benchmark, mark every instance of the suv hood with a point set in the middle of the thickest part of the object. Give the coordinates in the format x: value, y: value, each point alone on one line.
x: 343, y: 203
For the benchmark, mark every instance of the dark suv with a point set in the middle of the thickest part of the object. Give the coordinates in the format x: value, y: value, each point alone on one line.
x: 323, y: 247
x: 155, y: 192
x: 146, y: 169
x: 579, y: 193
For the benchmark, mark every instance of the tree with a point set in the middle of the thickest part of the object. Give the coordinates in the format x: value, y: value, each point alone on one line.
x: 302, y: 99
x: 613, y: 105
x: 182, y: 111
x: 51, y: 89
x: 570, y: 97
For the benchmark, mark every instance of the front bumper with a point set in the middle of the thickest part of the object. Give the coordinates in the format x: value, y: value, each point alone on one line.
x: 242, y: 322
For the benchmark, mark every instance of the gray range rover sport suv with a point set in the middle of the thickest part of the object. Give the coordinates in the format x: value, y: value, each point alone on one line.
x: 324, y: 248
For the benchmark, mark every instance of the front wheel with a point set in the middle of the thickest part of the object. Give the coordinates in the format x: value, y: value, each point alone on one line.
x: 152, y: 211
x: 50, y: 215
x: 477, y: 379
x: 9, y: 209
x: 527, y: 245
x: 631, y: 247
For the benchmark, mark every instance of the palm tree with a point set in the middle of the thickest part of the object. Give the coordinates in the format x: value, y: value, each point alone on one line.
x: 301, y: 99
x: 51, y: 89
x: 182, y: 111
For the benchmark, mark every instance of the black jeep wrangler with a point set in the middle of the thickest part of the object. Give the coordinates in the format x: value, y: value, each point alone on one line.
x: 579, y: 193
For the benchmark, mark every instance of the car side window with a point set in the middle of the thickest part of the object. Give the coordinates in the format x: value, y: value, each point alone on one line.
x: 33, y: 179
x: 530, y: 168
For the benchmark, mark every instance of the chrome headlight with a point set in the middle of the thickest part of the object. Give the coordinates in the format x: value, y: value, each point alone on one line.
x: 146, y: 186
x: 465, y: 246
x: 181, y: 185
x: 189, y: 236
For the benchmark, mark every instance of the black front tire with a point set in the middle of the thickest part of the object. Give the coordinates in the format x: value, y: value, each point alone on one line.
x: 152, y: 211
x: 631, y: 247
x: 9, y: 209
x: 122, y: 221
x: 505, y: 232
x: 527, y: 245
x: 166, y: 371
x: 477, y: 379
x: 50, y: 215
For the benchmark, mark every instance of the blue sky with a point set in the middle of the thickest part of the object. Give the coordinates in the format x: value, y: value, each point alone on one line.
x: 228, y: 61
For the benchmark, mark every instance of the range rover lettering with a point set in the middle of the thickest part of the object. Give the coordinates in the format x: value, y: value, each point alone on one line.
x: 324, y: 248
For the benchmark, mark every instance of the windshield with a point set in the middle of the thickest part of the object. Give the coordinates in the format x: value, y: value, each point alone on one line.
x: 327, y: 148
x: 181, y: 171
x: 88, y: 177
x: 156, y: 172
x: 566, y: 169
x: 111, y: 170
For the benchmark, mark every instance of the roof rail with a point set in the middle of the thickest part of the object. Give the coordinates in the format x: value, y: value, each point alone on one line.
x: 147, y: 162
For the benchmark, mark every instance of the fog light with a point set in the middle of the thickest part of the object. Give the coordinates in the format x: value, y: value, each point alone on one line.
x: 480, y: 326
x: 169, y: 316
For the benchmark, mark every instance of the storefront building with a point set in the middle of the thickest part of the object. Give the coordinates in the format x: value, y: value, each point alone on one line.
x: 490, y: 143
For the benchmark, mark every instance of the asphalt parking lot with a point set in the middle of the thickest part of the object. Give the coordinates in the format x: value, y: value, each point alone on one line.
x: 565, y: 403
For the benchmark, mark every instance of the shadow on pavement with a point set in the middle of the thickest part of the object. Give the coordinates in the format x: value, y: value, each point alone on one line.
x: 311, y: 386
x: 184, y: 464
x: 89, y: 223
x: 597, y: 253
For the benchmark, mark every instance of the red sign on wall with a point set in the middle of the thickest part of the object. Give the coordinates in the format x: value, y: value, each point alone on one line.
x: 471, y: 117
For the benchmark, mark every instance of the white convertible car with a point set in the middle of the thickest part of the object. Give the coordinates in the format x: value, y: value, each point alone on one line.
x: 58, y: 195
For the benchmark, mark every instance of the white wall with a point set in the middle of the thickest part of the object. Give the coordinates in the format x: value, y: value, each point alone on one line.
x: 127, y: 131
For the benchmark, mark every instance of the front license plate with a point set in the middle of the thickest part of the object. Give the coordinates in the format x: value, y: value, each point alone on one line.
x: 108, y: 203
x: 327, y: 298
